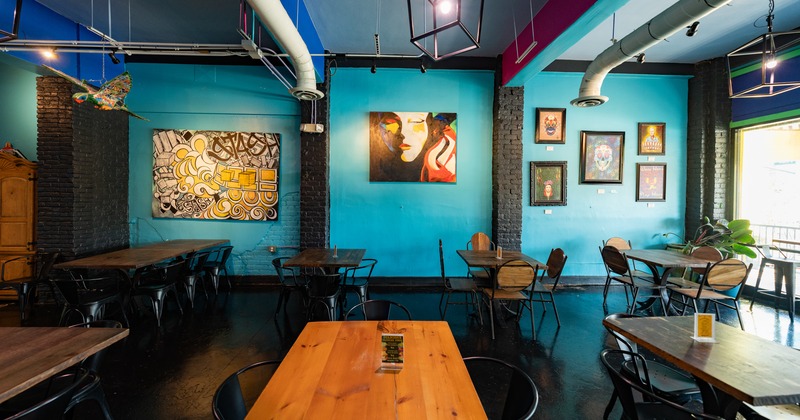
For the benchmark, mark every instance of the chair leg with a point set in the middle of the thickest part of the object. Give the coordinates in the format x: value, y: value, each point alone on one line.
x: 758, y: 282
x: 491, y: 316
x: 477, y: 301
x: 632, y: 306
x: 174, y: 291
x: 605, y: 289
x: 281, y: 298
x: 446, y: 304
x: 533, y: 326
x: 738, y: 313
x: 190, y: 285
x: 610, y: 406
x: 158, y: 307
x: 553, y: 302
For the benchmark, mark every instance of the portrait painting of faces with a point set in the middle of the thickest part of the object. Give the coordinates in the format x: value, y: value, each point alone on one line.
x: 548, y: 183
x: 602, y: 155
x: 651, y: 181
x: 412, y: 147
x: 550, y: 125
x: 651, y: 138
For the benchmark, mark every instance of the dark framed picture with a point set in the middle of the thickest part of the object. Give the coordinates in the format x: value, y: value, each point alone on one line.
x: 651, y: 138
x: 550, y: 123
x: 549, y: 183
x: 602, y: 154
x: 651, y: 182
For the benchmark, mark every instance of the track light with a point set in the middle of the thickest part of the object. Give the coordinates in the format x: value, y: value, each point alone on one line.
x: 640, y: 58
x: 374, y: 69
x: 692, y: 29
x: 422, y: 68
x: 49, y: 53
x: 113, y: 57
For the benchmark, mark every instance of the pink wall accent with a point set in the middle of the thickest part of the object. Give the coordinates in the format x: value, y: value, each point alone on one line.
x: 552, y: 20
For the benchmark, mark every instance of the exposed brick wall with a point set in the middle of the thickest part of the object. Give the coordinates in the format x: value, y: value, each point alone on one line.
x: 709, y: 145
x: 315, y: 194
x: 83, y: 173
x: 507, y: 165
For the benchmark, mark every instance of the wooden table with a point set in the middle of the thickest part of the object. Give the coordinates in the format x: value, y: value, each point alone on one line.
x: 666, y: 260
x: 323, y: 258
x: 489, y: 260
x: 739, y: 367
x: 332, y: 371
x: 141, y: 256
x: 29, y: 355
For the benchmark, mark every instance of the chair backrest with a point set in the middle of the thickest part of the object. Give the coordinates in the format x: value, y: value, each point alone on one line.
x: 619, y: 243
x: 489, y: 374
x: 377, y: 310
x: 480, y: 242
x: 364, y: 270
x: 54, y: 405
x: 47, y: 259
x: 555, y: 265
x: 622, y: 342
x: 194, y: 264
x: 173, y: 271
x: 515, y: 275
x: 323, y: 285
x: 615, y: 260
x: 238, y: 392
x: 283, y: 272
x: 708, y: 253
x: 71, y: 289
x: 224, y: 254
x: 726, y: 274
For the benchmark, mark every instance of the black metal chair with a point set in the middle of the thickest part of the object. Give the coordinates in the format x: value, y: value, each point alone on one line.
x: 511, y: 281
x: 638, y: 399
x: 356, y: 279
x: 377, y: 310
x: 193, y: 270
x: 238, y: 392
x: 26, y: 286
x: 667, y: 382
x: 88, y: 297
x: 289, y: 283
x: 156, y: 283
x: 499, y: 382
x: 49, y: 402
x: 216, y: 264
x: 452, y: 285
x: 544, y: 292
x: 324, y: 287
x: 618, y: 270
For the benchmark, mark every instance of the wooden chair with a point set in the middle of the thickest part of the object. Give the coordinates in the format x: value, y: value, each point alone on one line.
x: 618, y: 270
x: 511, y: 281
x: 544, y: 292
x: 704, y: 252
x: 480, y: 242
x: 452, y: 285
x: 722, y: 285
x: 619, y: 243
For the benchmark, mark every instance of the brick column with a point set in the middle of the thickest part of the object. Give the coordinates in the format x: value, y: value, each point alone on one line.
x: 315, y: 195
x: 507, y: 165
x: 83, y: 173
x: 709, y: 145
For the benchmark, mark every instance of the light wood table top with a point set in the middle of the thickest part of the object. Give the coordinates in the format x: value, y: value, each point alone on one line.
x: 323, y: 257
x: 488, y: 259
x: 666, y: 258
x: 29, y: 355
x: 332, y: 371
x: 742, y: 365
x: 141, y: 256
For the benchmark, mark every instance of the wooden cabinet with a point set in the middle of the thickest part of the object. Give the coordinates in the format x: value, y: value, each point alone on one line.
x: 17, y: 215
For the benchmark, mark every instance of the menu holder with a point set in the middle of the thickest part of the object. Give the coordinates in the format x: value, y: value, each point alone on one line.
x: 335, y: 252
x: 705, y: 329
x: 391, y: 352
x: 499, y: 252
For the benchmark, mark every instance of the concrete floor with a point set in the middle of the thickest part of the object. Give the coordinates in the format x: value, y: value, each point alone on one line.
x: 172, y: 372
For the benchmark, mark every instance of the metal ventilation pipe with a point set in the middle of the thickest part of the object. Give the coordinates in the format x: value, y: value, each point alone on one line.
x: 676, y: 17
x: 274, y: 17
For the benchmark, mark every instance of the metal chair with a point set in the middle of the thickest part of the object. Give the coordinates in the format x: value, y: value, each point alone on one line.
x: 26, y: 286
x: 511, y: 281
x: 238, y: 392
x: 193, y: 271
x: 49, y: 404
x: 650, y: 405
x: 156, y: 283
x: 618, y: 270
x: 88, y: 297
x: 324, y: 287
x: 555, y: 265
x: 353, y: 282
x: 217, y: 263
x: 456, y: 285
x: 489, y: 375
x: 289, y: 282
x: 377, y: 310
x: 722, y: 285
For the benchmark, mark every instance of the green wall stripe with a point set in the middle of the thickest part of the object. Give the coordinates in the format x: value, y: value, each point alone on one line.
x: 766, y: 118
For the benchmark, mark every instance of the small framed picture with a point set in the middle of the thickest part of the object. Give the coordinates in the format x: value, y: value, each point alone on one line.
x: 602, y: 154
x: 651, y: 138
x: 651, y: 181
x: 548, y: 183
x: 550, y: 125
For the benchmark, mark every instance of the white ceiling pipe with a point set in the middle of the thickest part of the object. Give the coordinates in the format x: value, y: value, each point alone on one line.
x: 280, y: 25
x: 673, y: 19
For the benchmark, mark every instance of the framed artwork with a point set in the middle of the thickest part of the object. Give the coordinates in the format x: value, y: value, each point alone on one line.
x: 412, y: 146
x: 548, y: 183
x: 651, y: 138
x: 602, y: 154
x: 651, y: 181
x: 550, y: 123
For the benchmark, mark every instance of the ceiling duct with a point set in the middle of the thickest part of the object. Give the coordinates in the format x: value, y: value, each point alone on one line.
x: 676, y: 17
x: 273, y: 15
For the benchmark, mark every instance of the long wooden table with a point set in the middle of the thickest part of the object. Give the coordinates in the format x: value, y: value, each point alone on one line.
x: 324, y: 258
x: 141, y: 256
x: 332, y: 371
x: 29, y: 355
x: 739, y: 367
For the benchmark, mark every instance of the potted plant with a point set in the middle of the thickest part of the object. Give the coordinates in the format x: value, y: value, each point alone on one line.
x: 729, y: 237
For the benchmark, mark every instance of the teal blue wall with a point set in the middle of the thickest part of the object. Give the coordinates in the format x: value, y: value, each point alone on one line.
x: 400, y: 223
x: 203, y: 97
x: 589, y: 217
x: 18, y: 115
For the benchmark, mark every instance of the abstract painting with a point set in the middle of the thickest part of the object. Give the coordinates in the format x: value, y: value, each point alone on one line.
x: 215, y: 175
x: 412, y: 147
x: 602, y: 153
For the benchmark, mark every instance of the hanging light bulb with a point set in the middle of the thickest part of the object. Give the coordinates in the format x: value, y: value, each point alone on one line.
x: 444, y: 7
x: 49, y: 53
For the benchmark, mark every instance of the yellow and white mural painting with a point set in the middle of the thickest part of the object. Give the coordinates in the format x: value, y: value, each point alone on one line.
x: 217, y: 175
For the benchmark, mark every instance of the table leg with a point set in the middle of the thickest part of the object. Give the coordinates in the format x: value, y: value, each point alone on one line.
x: 661, y: 281
x: 788, y: 276
x: 717, y: 402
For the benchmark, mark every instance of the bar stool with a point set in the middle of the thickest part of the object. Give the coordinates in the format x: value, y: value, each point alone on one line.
x: 784, y: 268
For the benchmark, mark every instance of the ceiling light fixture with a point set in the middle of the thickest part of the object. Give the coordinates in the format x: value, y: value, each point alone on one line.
x: 49, y: 53
x: 756, y: 69
x: 12, y: 33
x: 422, y: 68
x: 374, y: 68
x: 691, y: 30
x: 449, y: 22
x: 640, y: 58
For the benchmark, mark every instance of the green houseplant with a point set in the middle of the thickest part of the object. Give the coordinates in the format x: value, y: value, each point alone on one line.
x: 729, y: 237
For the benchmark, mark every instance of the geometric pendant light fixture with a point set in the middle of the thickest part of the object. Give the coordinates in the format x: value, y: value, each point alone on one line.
x: 451, y: 24
x: 8, y: 33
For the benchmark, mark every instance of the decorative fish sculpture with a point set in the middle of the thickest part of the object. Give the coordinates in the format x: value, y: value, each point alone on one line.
x: 110, y: 96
